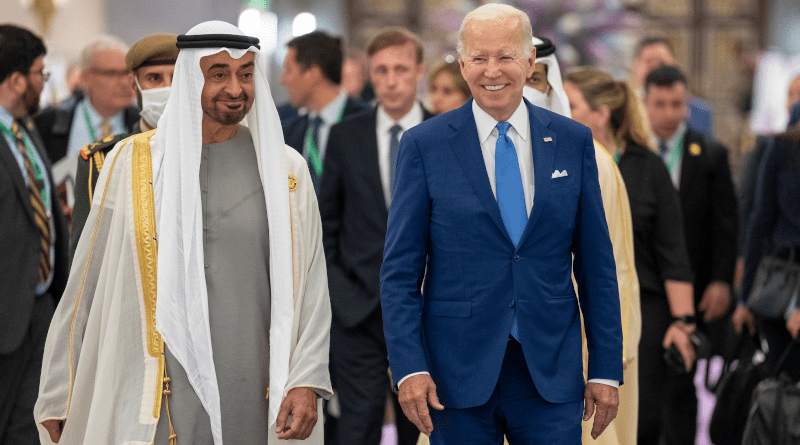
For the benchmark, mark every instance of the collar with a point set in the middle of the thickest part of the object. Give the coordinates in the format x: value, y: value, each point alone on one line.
x: 671, y: 141
x: 486, y: 123
x: 331, y: 112
x: 411, y: 119
x: 6, y: 118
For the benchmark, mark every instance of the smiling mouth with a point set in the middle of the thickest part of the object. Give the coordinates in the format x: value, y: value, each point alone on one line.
x: 494, y: 87
x: 233, y: 105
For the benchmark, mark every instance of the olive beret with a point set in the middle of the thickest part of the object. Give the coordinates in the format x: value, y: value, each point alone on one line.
x: 157, y: 49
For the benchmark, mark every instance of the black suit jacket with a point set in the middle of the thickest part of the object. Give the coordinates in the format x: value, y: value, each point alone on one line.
x: 19, y: 243
x: 354, y: 215
x: 55, y: 123
x: 294, y: 127
x: 708, y: 202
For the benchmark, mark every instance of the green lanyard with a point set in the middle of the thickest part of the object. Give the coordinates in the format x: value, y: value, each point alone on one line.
x: 676, y: 155
x: 89, y: 125
x: 616, y: 158
x: 37, y: 169
x: 314, y: 156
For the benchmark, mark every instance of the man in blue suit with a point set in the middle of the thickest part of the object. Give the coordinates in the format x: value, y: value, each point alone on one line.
x: 491, y: 203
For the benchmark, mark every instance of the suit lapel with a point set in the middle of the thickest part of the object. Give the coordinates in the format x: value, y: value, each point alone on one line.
x: 688, y: 165
x: 543, y: 158
x: 370, y: 160
x: 9, y: 162
x: 465, y: 144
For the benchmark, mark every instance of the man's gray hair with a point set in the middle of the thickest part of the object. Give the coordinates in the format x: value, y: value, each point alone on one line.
x: 99, y: 44
x: 496, y: 11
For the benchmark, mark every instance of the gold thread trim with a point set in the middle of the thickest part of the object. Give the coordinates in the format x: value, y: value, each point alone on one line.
x: 147, y: 247
x: 83, y: 282
x: 90, y: 182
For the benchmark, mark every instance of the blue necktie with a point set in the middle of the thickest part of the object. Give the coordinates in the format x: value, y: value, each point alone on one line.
x: 510, y: 195
x: 663, y: 150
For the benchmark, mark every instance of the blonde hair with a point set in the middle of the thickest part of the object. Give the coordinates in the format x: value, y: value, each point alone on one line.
x: 626, y: 120
x: 496, y: 11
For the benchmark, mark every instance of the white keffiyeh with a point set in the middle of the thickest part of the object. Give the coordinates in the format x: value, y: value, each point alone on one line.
x: 557, y: 101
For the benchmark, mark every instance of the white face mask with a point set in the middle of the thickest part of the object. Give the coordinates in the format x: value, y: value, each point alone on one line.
x: 536, y: 97
x: 154, y: 101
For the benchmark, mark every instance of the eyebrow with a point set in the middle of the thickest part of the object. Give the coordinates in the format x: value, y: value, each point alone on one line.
x: 219, y: 65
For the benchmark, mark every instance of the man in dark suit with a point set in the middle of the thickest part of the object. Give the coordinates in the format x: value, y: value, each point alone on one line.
x: 700, y: 172
x: 491, y: 203
x: 312, y: 74
x: 33, y: 235
x: 354, y: 197
x: 105, y: 111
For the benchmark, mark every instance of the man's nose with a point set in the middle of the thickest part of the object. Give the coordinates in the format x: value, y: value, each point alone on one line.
x: 492, y: 68
x: 233, y: 87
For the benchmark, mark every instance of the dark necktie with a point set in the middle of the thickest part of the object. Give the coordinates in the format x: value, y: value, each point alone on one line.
x: 314, y: 158
x: 510, y: 194
x: 35, y: 185
x: 394, y: 146
x: 663, y: 150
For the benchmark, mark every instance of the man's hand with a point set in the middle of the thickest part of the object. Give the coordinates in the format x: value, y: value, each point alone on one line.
x: 606, y: 398
x: 716, y: 300
x: 743, y: 317
x: 793, y: 324
x: 416, y: 393
x: 54, y: 428
x: 301, y: 404
x: 678, y: 335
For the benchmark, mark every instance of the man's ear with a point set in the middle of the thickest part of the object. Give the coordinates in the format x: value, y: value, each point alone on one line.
x: 605, y: 115
x: 420, y: 71
x: 17, y: 82
x: 532, y: 66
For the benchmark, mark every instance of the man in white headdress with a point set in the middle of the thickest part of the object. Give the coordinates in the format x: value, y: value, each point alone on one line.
x: 544, y: 88
x: 197, y: 306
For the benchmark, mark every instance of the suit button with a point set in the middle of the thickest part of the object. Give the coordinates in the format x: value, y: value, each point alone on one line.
x: 511, y: 303
x: 516, y: 257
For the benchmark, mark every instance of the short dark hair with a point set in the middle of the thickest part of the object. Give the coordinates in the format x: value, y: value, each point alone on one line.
x: 393, y: 36
x: 19, y: 48
x: 319, y: 48
x: 650, y: 41
x: 665, y: 76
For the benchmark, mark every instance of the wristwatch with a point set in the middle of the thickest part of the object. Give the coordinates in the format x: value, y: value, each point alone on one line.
x: 686, y: 319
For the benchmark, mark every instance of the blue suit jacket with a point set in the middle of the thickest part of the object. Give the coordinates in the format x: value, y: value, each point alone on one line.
x: 444, y: 218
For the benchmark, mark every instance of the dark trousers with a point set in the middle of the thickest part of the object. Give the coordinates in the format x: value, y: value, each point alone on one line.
x: 19, y: 379
x: 515, y: 409
x: 359, y: 369
x: 667, y: 398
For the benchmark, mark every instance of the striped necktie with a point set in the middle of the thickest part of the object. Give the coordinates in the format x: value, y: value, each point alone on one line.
x: 314, y: 157
x: 394, y: 147
x: 40, y: 213
x: 105, y: 129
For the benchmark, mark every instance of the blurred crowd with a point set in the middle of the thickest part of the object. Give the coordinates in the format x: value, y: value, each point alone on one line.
x: 698, y: 236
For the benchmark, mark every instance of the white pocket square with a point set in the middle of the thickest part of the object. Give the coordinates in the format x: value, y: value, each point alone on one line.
x: 558, y: 174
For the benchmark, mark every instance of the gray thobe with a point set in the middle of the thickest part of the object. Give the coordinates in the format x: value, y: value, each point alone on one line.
x: 236, y: 251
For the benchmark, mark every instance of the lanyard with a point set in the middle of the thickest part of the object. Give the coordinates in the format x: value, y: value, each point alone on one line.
x: 89, y: 125
x: 676, y: 155
x: 37, y: 169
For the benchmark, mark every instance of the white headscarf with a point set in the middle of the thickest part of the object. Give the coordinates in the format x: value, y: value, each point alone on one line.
x: 182, y: 305
x: 557, y: 101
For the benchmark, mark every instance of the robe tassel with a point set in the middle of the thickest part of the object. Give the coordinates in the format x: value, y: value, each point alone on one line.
x: 173, y: 438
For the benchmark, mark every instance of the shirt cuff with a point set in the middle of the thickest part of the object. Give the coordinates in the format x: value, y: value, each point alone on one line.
x: 614, y: 383
x: 397, y: 387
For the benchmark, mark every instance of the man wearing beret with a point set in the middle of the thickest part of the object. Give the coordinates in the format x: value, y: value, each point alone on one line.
x: 152, y: 61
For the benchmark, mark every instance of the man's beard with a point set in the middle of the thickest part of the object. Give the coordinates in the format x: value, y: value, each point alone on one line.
x: 222, y: 116
x: 31, y: 99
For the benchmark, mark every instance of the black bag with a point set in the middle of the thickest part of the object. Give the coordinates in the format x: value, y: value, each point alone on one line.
x: 733, y: 391
x: 775, y: 411
x: 777, y: 280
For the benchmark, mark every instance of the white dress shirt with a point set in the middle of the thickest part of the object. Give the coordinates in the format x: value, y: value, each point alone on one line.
x: 330, y: 116
x: 79, y: 133
x: 384, y: 125
x: 672, y: 144
x: 519, y: 133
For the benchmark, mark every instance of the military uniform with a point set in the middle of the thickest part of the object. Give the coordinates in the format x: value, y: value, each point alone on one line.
x: 90, y: 162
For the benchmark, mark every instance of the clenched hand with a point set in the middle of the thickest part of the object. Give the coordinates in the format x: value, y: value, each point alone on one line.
x: 301, y: 404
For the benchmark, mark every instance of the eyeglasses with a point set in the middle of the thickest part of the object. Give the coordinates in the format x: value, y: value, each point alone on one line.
x: 45, y: 74
x: 119, y: 74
